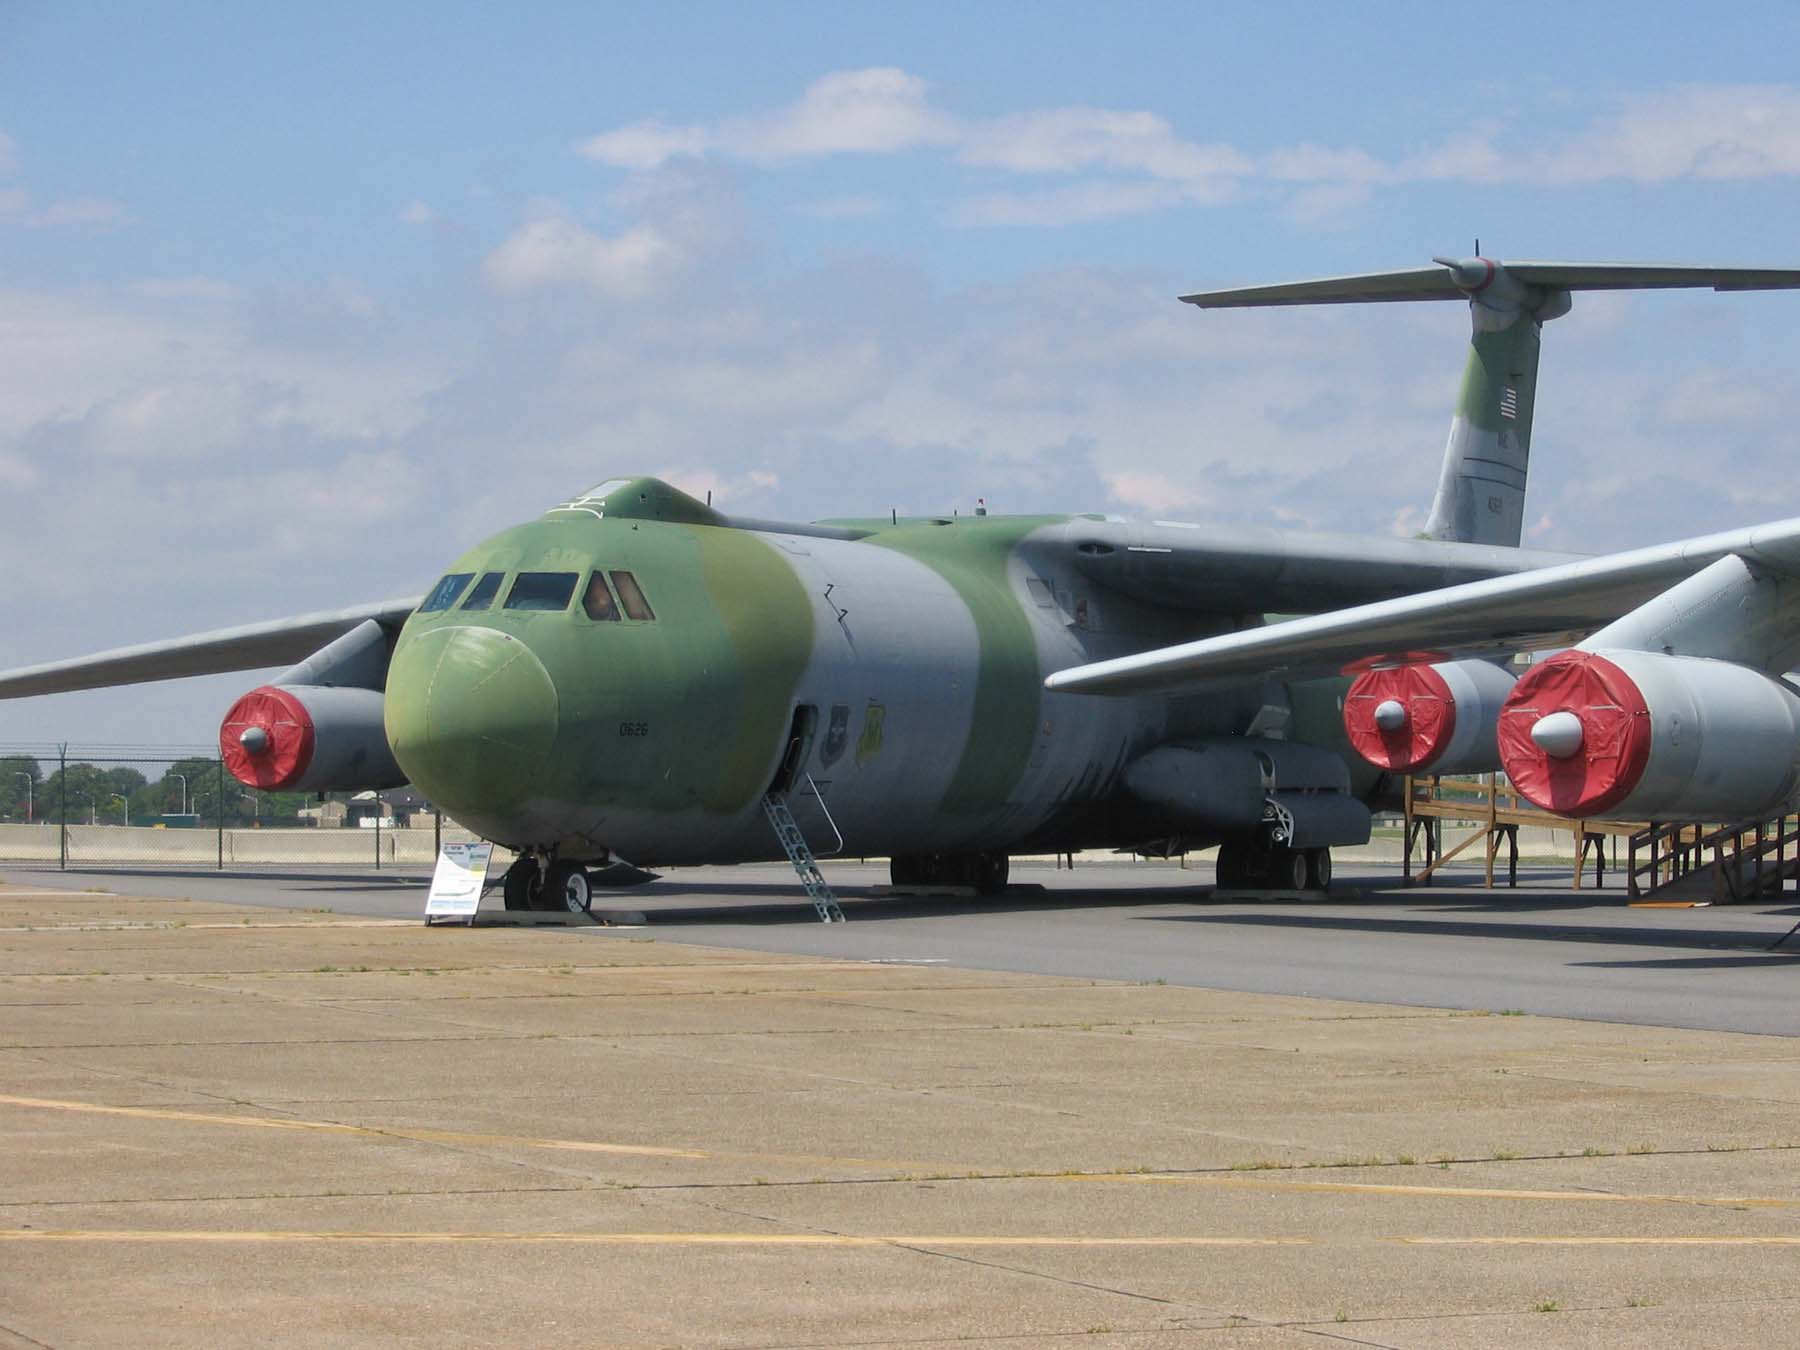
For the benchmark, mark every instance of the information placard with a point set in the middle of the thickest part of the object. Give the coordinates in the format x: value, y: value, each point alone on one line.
x: 457, y: 883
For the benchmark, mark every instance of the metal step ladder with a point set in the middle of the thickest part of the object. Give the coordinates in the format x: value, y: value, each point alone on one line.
x: 793, y: 843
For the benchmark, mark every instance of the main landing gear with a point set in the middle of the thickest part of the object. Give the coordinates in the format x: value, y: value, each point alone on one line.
x: 531, y: 883
x: 985, y: 872
x: 1244, y: 865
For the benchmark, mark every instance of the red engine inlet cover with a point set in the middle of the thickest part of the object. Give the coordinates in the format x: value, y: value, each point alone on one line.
x: 1615, y: 734
x: 1430, y: 717
x: 286, y: 742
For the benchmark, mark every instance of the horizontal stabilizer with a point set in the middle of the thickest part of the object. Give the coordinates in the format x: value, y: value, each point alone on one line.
x: 1458, y: 279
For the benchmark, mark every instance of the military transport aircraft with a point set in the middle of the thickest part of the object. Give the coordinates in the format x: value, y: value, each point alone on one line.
x: 636, y: 676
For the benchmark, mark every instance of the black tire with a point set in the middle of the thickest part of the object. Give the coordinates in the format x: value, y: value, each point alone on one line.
x: 1318, y: 869
x: 567, y: 888
x: 907, y: 870
x: 523, y: 884
x: 1233, y: 867
x: 1288, y: 869
x: 988, y: 873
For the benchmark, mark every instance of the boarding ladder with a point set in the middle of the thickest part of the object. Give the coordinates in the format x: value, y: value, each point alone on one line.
x: 793, y: 843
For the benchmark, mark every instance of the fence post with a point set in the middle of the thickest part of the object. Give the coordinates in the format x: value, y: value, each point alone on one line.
x: 62, y: 806
x: 220, y: 782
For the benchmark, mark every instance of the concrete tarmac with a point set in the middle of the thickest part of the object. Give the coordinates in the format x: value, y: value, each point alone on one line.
x: 1541, y: 949
x: 232, y: 1124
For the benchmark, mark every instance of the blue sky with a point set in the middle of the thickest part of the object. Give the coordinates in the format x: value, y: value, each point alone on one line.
x: 296, y: 304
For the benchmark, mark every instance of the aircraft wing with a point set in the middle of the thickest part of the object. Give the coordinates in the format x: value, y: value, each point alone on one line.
x: 281, y: 642
x: 1551, y: 607
x: 1248, y: 569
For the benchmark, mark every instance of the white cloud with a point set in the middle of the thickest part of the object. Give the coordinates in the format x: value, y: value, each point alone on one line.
x: 1705, y: 132
x: 555, y: 251
x: 1698, y: 132
x: 644, y: 145
x: 1069, y: 140
x: 1094, y: 200
x: 186, y: 288
x: 875, y: 111
x: 417, y: 213
x: 16, y: 208
x: 878, y: 110
x: 844, y: 208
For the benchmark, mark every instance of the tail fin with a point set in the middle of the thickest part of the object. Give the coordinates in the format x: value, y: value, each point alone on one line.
x: 1480, y: 495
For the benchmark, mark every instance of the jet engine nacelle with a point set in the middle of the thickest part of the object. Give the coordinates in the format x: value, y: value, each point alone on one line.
x: 1428, y: 718
x: 1648, y: 736
x: 308, y: 738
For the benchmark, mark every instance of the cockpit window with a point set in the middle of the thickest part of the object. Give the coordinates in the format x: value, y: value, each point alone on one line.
x: 631, y: 596
x: 542, y: 590
x: 598, y: 600
x: 443, y: 595
x: 482, y: 596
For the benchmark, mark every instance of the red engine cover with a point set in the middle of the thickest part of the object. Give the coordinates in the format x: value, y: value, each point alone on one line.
x: 1615, y: 734
x: 290, y: 731
x: 1430, y: 716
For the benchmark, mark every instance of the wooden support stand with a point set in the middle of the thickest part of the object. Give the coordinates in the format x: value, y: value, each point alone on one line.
x: 1714, y: 863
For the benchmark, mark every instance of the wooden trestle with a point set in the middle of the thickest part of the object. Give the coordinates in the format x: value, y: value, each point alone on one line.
x: 1743, y: 860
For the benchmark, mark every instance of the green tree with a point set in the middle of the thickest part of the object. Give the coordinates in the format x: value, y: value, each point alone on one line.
x: 81, y: 790
x: 20, y: 797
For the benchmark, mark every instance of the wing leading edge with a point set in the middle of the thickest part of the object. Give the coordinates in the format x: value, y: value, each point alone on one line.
x: 1530, y: 611
x: 280, y: 642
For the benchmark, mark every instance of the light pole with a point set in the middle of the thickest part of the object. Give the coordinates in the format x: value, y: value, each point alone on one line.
x: 183, y: 778
x: 27, y: 778
x: 125, y: 804
x: 255, y: 805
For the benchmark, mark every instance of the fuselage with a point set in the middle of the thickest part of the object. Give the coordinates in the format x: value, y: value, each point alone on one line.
x: 637, y: 674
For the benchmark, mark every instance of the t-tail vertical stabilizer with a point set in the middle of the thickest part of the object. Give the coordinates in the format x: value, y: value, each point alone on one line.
x: 1480, y: 495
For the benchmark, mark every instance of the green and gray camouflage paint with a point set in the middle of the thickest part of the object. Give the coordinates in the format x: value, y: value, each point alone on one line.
x: 922, y: 644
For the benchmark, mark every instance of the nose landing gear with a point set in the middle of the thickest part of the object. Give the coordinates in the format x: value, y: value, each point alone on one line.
x: 537, y: 881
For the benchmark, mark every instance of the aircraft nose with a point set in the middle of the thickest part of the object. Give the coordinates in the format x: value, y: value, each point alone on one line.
x: 471, y: 717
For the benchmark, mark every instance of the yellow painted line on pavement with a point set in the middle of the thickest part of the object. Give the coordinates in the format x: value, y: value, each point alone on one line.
x: 338, y: 1127
x: 1256, y: 1182
x: 448, y: 1136
x: 646, y: 1239
x: 213, y: 1236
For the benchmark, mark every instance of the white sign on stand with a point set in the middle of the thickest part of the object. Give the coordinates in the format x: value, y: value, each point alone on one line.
x: 457, y: 883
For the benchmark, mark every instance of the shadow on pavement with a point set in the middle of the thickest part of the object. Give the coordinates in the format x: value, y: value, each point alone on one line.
x: 1718, y: 939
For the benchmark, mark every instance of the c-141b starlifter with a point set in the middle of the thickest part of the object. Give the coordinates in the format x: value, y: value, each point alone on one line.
x: 637, y: 676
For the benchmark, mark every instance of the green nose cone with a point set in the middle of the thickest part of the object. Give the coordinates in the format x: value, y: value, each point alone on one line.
x: 471, y: 717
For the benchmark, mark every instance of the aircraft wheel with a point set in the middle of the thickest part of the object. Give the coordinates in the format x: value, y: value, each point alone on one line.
x: 907, y: 870
x: 523, y: 884
x: 988, y: 873
x: 1233, y: 865
x: 566, y: 887
x: 1289, y: 869
x: 1318, y: 869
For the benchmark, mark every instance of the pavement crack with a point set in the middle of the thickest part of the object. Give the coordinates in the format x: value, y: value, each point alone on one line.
x: 28, y: 1340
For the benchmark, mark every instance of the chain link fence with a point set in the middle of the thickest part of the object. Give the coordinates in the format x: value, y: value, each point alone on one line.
x: 74, y: 805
